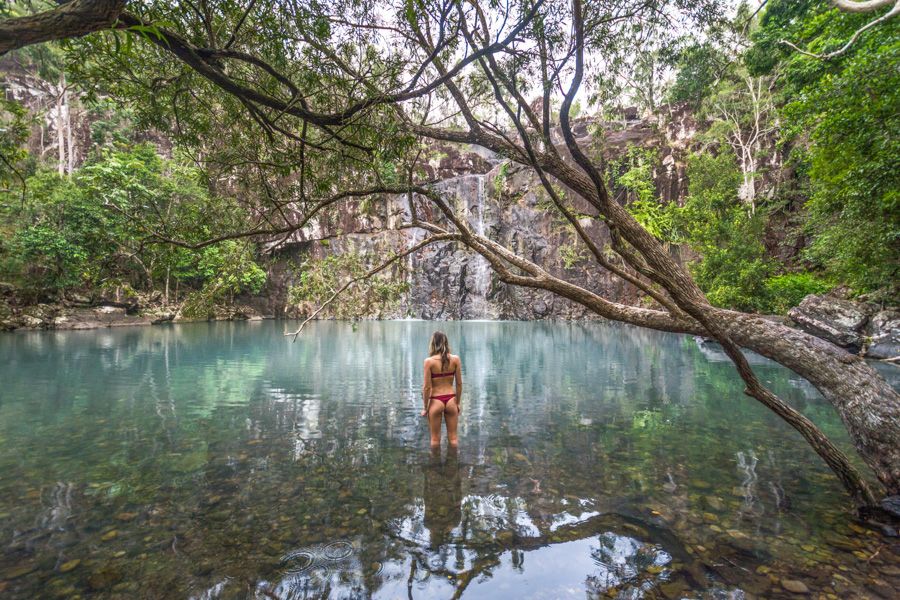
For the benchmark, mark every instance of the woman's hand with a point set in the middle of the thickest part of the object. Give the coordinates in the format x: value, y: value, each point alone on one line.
x: 423, y: 413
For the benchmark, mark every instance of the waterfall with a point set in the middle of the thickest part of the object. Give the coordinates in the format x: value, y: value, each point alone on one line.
x: 480, y: 197
x: 480, y: 268
x: 466, y: 193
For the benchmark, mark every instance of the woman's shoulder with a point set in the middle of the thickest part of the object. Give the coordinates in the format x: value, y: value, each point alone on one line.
x: 454, y: 358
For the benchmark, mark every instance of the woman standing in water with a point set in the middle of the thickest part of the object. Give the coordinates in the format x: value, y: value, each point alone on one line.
x: 442, y: 402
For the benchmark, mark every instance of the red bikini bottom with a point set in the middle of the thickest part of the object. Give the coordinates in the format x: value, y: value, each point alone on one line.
x: 445, y: 398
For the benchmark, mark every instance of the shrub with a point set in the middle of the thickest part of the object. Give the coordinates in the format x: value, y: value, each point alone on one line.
x: 788, y: 290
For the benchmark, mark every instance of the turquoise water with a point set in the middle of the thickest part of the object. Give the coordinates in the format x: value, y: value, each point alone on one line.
x: 600, y: 461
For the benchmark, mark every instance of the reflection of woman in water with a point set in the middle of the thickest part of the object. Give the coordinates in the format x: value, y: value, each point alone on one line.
x: 442, y: 495
x: 442, y: 369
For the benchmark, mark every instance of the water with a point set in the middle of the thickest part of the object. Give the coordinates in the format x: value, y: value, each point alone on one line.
x: 598, y: 461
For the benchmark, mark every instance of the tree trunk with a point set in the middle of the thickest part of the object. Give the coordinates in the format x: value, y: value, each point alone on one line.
x: 866, y: 403
x: 60, y: 127
x: 70, y: 149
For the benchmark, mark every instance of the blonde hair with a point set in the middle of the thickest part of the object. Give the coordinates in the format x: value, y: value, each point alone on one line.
x: 440, y: 345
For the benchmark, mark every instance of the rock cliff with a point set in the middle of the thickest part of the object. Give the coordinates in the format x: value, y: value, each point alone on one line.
x: 505, y: 202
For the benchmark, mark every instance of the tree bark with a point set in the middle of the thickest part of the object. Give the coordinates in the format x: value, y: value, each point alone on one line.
x: 60, y: 126
x: 72, y: 19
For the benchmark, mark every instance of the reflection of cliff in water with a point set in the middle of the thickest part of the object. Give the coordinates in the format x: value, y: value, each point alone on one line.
x: 589, y: 454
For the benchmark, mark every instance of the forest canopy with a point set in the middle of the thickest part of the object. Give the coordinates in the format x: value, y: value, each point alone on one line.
x: 760, y: 102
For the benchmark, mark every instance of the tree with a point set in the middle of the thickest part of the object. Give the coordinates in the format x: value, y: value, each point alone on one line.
x: 855, y: 7
x: 841, y: 124
x: 87, y: 232
x: 367, y: 85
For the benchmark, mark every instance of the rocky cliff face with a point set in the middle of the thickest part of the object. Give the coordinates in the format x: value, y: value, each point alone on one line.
x: 505, y: 202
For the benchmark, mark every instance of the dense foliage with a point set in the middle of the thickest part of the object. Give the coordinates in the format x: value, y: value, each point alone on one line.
x: 88, y: 231
x: 834, y: 122
x: 842, y: 118
x: 734, y: 267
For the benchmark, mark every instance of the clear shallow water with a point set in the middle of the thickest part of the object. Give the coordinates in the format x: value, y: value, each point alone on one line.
x: 221, y: 461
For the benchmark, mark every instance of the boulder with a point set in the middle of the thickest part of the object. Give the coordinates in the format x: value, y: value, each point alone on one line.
x: 8, y: 319
x: 837, y: 320
x: 79, y: 299
x: 891, y: 505
x: 32, y: 322
x: 884, y: 334
x: 162, y: 317
x: 39, y: 316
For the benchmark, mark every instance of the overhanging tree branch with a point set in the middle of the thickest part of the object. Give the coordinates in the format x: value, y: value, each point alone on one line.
x: 69, y: 20
x: 369, y: 274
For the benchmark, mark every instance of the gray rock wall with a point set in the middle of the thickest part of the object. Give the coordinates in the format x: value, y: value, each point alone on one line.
x: 508, y: 204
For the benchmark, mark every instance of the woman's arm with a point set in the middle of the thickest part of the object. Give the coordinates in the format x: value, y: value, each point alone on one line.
x: 426, y: 388
x: 459, y: 384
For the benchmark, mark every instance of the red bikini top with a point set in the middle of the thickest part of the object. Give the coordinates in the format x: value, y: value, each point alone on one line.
x: 433, y: 375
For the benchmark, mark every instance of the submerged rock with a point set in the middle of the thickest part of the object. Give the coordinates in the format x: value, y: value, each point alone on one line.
x: 19, y: 572
x: 104, y: 578
x: 794, y: 586
x: 68, y: 566
x: 891, y: 504
x: 110, y: 535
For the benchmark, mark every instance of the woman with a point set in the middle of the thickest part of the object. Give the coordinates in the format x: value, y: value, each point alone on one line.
x: 441, y: 400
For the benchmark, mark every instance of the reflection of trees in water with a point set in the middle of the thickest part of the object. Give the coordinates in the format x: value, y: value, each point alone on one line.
x: 454, y: 533
x: 621, y: 560
x: 555, y: 415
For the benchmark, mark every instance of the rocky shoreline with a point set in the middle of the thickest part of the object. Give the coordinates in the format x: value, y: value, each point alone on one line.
x: 61, y: 317
x: 57, y: 317
x: 102, y: 311
x: 862, y: 328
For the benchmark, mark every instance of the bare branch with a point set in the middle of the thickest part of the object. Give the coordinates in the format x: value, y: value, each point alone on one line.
x: 370, y: 273
x: 857, y: 6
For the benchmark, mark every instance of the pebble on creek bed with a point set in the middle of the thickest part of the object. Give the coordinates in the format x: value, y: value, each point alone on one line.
x: 68, y: 566
x: 794, y: 586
